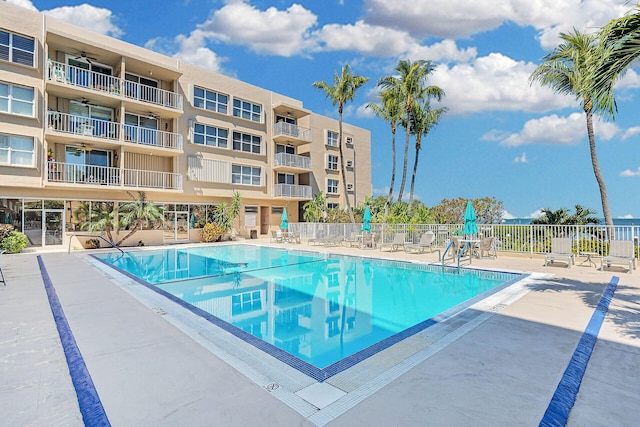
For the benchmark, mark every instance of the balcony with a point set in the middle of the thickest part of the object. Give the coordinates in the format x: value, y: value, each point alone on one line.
x: 83, y: 126
x: 152, y: 137
x: 60, y: 72
x: 70, y: 173
x: 291, y: 191
x: 287, y: 132
x: 291, y: 162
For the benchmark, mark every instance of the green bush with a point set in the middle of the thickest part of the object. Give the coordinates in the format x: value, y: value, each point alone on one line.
x: 15, y: 242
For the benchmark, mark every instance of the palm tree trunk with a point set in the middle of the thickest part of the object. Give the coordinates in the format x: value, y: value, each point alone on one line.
x: 406, y: 158
x: 415, y: 170
x: 342, y: 167
x: 387, y: 206
x: 596, y: 171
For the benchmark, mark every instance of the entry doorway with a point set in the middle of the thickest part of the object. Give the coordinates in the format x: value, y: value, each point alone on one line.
x: 44, y: 227
x: 176, y: 223
x: 265, y: 216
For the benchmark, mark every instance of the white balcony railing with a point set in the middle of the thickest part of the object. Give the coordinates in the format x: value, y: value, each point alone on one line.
x: 294, y: 131
x: 75, y: 76
x: 153, y: 137
x: 71, y: 173
x: 292, y: 160
x: 85, y: 126
x: 134, y: 90
x: 293, y: 191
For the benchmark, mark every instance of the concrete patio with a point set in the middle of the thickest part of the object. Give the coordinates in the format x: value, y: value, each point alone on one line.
x: 496, y: 364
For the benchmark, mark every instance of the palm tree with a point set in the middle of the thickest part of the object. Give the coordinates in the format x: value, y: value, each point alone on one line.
x: 135, y: 213
x: 620, y: 43
x: 390, y: 111
x: 340, y: 92
x: 424, y: 119
x: 408, y: 86
x: 549, y: 217
x: 571, y: 70
x: 315, y: 210
x: 97, y: 217
x: 583, y: 216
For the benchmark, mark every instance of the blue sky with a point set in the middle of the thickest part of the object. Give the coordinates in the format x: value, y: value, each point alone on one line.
x: 501, y: 138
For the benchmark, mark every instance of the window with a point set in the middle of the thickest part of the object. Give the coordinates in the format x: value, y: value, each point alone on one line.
x: 16, y: 99
x: 349, y: 187
x: 247, y: 110
x: 16, y: 150
x: 209, y: 100
x: 349, y: 140
x: 289, y: 149
x: 349, y: 163
x: 247, y: 143
x: 333, y: 205
x: 17, y: 49
x: 286, y: 178
x: 332, y: 162
x: 211, y: 136
x: 245, y: 175
x: 277, y: 210
x: 332, y: 186
x: 332, y: 138
x: 245, y: 302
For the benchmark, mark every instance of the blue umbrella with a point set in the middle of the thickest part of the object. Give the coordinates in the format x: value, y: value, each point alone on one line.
x: 366, y: 225
x: 470, y: 226
x: 285, y: 220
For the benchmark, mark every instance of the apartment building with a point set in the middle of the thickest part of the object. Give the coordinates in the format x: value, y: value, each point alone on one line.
x: 87, y: 119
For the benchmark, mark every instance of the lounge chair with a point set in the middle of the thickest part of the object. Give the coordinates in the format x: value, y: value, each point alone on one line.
x: 353, y: 240
x: 560, y: 250
x: 621, y: 252
x: 395, y: 244
x: 426, y: 242
x: 333, y: 240
x: 276, y: 237
x: 318, y: 240
x: 487, y: 246
x: 4, y: 282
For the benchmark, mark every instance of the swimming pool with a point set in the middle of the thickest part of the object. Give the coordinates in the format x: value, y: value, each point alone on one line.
x: 319, y: 313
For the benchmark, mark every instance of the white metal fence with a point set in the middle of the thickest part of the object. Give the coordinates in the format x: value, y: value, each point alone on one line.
x: 518, y: 238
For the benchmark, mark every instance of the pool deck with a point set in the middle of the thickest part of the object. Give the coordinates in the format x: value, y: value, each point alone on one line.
x: 498, y: 366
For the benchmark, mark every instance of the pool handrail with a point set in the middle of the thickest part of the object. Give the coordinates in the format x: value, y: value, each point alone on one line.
x: 95, y: 236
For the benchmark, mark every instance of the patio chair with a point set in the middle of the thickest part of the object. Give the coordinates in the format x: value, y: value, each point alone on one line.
x: 395, y: 244
x: 353, y: 240
x: 276, y: 236
x: 426, y: 242
x: 560, y: 250
x: 487, y: 246
x: 369, y: 240
x: 621, y: 252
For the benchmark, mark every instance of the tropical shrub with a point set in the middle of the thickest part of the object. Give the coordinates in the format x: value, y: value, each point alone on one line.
x: 211, y: 232
x: 5, y: 230
x: 15, y: 242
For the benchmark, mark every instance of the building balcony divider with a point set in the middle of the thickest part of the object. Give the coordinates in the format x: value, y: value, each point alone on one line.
x: 292, y: 160
x: 293, y: 191
x: 71, y: 173
x: 79, y: 77
x: 152, y: 137
x: 85, y: 126
x: 294, y: 131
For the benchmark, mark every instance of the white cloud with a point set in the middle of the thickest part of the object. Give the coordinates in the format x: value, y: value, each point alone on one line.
x: 96, y: 19
x: 535, y: 214
x: 272, y: 31
x: 193, y: 50
x: 521, y: 159
x: 495, y: 83
x: 627, y: 216
x: 554, y: 129
x: 461, y: 18
x: 629, y: 172
x: 632, y: 131
x: 507, y: 215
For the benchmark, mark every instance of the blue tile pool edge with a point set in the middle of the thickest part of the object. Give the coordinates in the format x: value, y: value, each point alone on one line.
x: 91, y: 409
x: 557, y: 413
x: 318, y: 374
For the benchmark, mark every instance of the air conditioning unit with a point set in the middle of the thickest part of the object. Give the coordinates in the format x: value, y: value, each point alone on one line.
x: 349, y: 187
x: 349, y: 163
x: 349, y: 140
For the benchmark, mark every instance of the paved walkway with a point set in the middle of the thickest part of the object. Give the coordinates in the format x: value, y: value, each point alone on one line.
x: 502, y: 369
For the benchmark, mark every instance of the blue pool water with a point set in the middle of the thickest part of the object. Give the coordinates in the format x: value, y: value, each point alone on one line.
x: 321, y: 309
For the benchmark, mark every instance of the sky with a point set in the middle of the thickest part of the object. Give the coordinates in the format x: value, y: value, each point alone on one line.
x: 502, y: 137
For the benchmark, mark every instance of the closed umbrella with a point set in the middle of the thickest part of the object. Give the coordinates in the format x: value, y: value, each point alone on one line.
x: 285, y: 220
x: 470, y: 226
x: 366, y: 220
